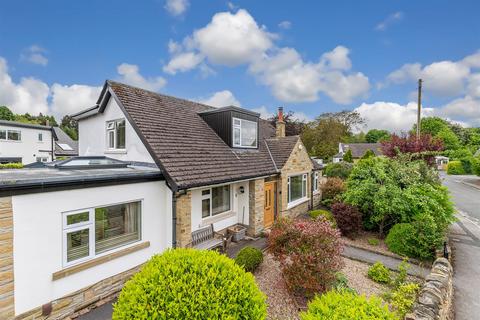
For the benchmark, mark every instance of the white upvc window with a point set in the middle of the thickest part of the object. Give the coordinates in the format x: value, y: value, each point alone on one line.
x: 216, y: 200
x: 315, y: 181
x: 116, y: 134
x: 40, y: 137
x: 10, y: 135
x: 297, y: 189
x: 91, y: 232
x: 245, y: 133
x: 42, y: 159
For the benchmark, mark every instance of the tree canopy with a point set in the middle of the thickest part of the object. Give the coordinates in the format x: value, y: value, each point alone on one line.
x: 293, y: 126
x: 6, y: 114
x: 376, y: 135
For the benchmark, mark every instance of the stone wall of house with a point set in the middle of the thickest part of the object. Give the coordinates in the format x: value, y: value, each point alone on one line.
x: 256, y: 206
x: 67, y: 306
x: 435, y: 299
x: 298, y: 162
x: 6, y: 259
x: 184, y: 220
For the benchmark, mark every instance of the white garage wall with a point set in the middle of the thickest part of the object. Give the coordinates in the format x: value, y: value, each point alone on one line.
x: 38, y: 238
x: 224, y: 220
x: 92, y: 137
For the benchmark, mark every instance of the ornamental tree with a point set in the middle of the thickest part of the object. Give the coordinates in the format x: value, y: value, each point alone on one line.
x: 424, y: 148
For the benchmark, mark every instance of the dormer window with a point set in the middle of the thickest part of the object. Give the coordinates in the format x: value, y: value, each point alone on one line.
x: 244, y: 133
x: 116, y: 134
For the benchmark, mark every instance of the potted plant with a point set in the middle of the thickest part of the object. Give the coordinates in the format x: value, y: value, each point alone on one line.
x: 237, y: 231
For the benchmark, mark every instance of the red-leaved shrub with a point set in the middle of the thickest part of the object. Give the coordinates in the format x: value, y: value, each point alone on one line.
x: 309, y: 254
x: 349, y: 219
x: 425, y: 147
x: 331, y: 189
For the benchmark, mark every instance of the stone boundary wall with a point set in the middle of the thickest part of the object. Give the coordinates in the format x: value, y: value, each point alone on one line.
x: 434, y: 301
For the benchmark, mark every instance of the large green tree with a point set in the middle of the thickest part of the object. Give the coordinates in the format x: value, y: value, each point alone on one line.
x: 376, y: 135
x: 70, y: 127
x: 6, y: 114
x: 321, y: 137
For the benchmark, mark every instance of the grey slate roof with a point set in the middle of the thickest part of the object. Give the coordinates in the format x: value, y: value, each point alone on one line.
x: 63, y: 138
x: 24, y: 125
x: 359, y: 149
x: 281, y: 148
x: 185, y: 147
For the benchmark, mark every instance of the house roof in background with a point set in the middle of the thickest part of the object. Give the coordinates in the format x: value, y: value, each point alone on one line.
x: 188, y: 150
x: 359, y: 149
x: 62, y: 143
x: 24, y: 125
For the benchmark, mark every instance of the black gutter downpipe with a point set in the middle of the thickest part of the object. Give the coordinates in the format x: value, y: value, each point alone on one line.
x: 174, y: 220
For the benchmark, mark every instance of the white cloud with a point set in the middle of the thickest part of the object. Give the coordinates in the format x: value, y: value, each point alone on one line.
x: 285, y: 25
x: 391, y: 116
x: 391, y: 19
x: 183, y: 62
x: 264, y: 113
x: 467, y: 108
x: 176, y: 7
x: 472, y: 61
x: 294, y: 80
x: 231, y: 5
x: 473, y: 88
x: 130, y: 75
x: 35, y: 54
x: 221, y: 99
x: 71, y: 99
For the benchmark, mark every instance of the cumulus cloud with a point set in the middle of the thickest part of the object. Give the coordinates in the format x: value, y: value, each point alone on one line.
x: 221, y: 99
x: 176, y: 7
x: 285, y: 25
x: 264, y: 113
x: 391, y: 116
x: 71, y: 99
x: 35, y: 54
x: 391, y: 19
x: 183, y: 62
x: 466, y: 109
x: 130, y: 74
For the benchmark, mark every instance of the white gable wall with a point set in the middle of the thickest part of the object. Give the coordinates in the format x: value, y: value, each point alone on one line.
x: 38, y: 238
x: 29, y: 148
x: 92, y: 137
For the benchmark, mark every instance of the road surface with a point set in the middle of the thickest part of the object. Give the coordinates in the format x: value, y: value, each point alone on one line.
x: 465, y: 235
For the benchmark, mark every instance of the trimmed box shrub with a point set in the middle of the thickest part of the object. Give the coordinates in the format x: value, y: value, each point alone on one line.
x: 309, y: 254
x: 346, y: 305
x: 190, y: 284
x: 348, y: 218
x: 379, y: 273
x: 398, y: 238
x: 455, y: 167
x: 249, y: 258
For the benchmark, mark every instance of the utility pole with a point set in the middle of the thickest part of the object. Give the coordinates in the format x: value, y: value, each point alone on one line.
x: 419, y: 111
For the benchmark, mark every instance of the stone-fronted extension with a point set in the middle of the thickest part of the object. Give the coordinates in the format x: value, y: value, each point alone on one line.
x: 6, y: 259
x: 184, y: 219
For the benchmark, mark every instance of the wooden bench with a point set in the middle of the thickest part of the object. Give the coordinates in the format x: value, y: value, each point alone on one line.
x: 204, y: 239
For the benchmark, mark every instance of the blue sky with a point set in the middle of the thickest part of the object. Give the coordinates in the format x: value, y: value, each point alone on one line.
x: 308, y: 56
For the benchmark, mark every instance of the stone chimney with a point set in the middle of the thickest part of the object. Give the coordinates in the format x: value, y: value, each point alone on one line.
x: 280, y: 124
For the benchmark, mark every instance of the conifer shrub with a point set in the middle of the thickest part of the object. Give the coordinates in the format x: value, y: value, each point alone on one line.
x: 346, y: 305
x: 190, y: 284
x: 249, y: 258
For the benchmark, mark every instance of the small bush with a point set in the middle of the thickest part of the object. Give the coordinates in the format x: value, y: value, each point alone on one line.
x: 455, y: 167
x: 373, y: 241
x: 341, y: 283
x: 309, y: 254
x: 13, y: 165
x: 476, y: 166
x: 346, y: 305
x: 379, y: 273
x: 348, y: 218
x: 327, y: 215
x: 398, y: 239
x: 403, y: 298
x: 164, y: 287
x: 332, y: 188
x: 401, y: 276
x: 339, y: 170
x: 249, y: 258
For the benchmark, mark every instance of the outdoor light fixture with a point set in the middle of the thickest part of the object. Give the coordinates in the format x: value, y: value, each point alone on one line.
x: 241, y: 189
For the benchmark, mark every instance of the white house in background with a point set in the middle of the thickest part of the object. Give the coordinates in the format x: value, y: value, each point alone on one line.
x: 25, y: 143
x: 357, y: 149
x: 153, y: 170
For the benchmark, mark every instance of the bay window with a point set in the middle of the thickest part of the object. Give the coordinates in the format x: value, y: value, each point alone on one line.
x: 116, y: 134
x: 244, y: 133
x: 215, y: 201
x: 89, y: 232
x: 297, y: 188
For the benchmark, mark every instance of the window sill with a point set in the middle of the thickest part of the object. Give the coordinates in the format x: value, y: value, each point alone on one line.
x: 99, y: 260
x: 222, y: 216
x: 296, y: 203
x: 119, y: 151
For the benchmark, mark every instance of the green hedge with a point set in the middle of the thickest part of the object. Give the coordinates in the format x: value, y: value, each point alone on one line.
x: 455, y: 167
x: 191, y: 284
x: 14, y: 165
x: 249, y: 258
x: 346, y: 305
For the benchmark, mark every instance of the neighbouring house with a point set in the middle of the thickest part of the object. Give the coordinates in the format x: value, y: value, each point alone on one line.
x: 28, y: 143
x: 441, y: 162
x: 152, y: 169
x: 357, y: 149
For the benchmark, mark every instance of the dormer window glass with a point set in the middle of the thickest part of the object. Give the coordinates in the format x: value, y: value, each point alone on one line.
x: 245, y: 133
x: 116, y: 134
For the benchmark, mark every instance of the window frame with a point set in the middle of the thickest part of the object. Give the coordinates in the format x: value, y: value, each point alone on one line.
x: 315, y: 181
x: 40, y: 137
x: 209, y: 197
x: 239, y: 127
x: 292, y: 203
x: 90, y: 225
x: 111, y: 127
x: 7, y: 131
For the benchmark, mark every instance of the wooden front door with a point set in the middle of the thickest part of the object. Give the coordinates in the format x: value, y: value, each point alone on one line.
x: 269, y: 209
